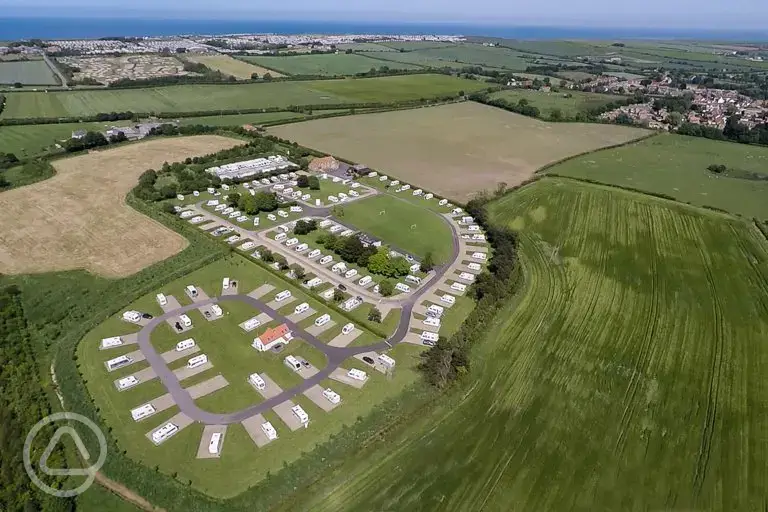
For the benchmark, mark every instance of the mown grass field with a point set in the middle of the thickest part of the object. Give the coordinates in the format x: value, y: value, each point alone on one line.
x: 193, y: 98
x: 231, y: 66
x: 627, y: 375
x: 31, y: 72
x: 676, y: 165
x: 324, y: 64
x: 570, y: 103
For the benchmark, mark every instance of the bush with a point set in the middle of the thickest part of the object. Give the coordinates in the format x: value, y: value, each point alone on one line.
x: 374, y: 315
x: 314, y: 183
x: 386, y: 288
x: 302, y: 181
x: 717, y: 168
x: 304, y: 227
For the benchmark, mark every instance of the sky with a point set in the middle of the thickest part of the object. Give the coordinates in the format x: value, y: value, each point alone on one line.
x: 713, y: 14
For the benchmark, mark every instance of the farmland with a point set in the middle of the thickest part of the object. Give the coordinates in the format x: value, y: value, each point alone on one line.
x: 29, y: 72
x: 79, y: 219
x: 569, y: 103
x: 676, y: 165
x: 231, y: 66
x: 193, y: 98
x: 641, y: 323
x: 454, y: 150
x: 324, y: 64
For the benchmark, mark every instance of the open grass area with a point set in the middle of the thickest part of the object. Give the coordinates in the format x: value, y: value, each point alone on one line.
x: 242, y: 464
x: 323, y: 64
x: 628, y: 373
x: 192, y: 98
x: 231, y: 66
x: 677, y: 166
x: 569, y: 103
x: 402, y: 224
x: 454, y: 150
x: 29, y: 72
x: 30, y: 140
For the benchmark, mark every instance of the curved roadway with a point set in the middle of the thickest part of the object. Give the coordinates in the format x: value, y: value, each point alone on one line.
x: 334, y: 355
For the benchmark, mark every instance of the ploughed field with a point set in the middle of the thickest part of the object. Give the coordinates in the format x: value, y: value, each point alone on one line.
x: 209, y: 98
x: 628, y: 374
x: 454, y: 150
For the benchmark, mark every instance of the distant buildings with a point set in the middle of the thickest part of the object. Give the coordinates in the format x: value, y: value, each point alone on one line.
x: 253, y: 167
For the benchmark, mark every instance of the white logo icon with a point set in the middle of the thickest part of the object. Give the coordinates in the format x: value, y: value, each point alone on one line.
x: 89, y: 472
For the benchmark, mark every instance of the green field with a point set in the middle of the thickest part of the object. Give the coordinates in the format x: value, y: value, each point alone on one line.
x: 403, y: 224
x: 677, y: 166
x: 30, y: 72
x: 627, y: 375
x: 324, y: 64
x: 570, y: 103
x: 192, y: 98
x: 458, y: 56
x: 365, y: 47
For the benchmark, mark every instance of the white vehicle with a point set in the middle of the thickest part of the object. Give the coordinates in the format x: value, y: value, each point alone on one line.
x: 211, y: 190
x: 296, y: 209
x: 466, y: 276
x: 376, y: 288
x: 479, y: 256
x: 302, y: 247
x: 339, y: 267
x: 459, y: 287
x: 213, y: 446
x: 466, y: 219
x: 186, y: 214
x: 336, y: 228
x: 247, y: 246
x: 271, y: 217
x: 372, y: 174
x: 354, y: 193
x: 418, y: 192
x: 306, y: 197
x: 242, y: 218
x: 356, y: 374
x: 112, y: 342
x: 429, y: 338
x: 127, y: 382
x: 314, y: 253
x: 220, y: 207
x: 322, y: 320
x: 479, y: 236
x: 327, y: 294
x: 292, y: 363
x: 132, y: 316
x: 283, y: 295
x: 233, y: 239
x: 224, y: 186
x: 269, y: 431
x: 386, y: 361
x: 383, y: 178
x: 394, y: 183
x: 225, y: 283
x: 288, y: 190
x: 342, y: 195
x: 347, y: 232
x: 432, y: 321
x: 448, y: 299
x: 301, y: 308
x: 191, y: 291
x: 278, y: 187
x: 336, y: 179
x: 256, y: 221
x: 251, y: 324
x: 429, y: 196
x: 406, y: 187
x: 442, y: 202
x: 402, y: 287
x: 217, y: 311
x: 144, y: 411
x: 185, y: 345
x: 325, y: 260
x: 196, y: 361
x: 196, y: 193
x: 300, y: 414
x: 280, y: 237
x: 415, y: 267
x: 180, y: 197
x: 234, y: 214
x: 118, y: 362
x: 291, y: 242
x: 350, y: 273
x: 333, y: 199
x: 265, y: 181
x: 167, y: 430
x: 331, y: 396
x: 348, y: 328
x: 413, y: 279
x: 474, y: 266
x: 257, y: 382
x: 365, y: 281
x: 185, y: 321
x: 473, y: 227
x: 282, y: 213
x: 435, y: 311
x: 325, y: 223
x: 315, y: 281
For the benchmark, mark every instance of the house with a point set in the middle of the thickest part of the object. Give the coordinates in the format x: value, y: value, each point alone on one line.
x: 329, y: 165
x: 271, y: 337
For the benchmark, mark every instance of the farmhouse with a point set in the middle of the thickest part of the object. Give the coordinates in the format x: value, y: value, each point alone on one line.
x: 271, y: 337
x: 330, y: 165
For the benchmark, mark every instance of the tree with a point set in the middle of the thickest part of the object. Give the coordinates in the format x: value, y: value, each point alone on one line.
x: 302, y: 181
x: 717, y: 168
x: 266, y: 201
x: 233, y: 199
x: 314, y: 183
x: 338, y: 295
x: 304, y: 227
x: 428, y: 263
x: 254, y: 76
x: 623, y: 118
x: 386, y: 288
x: 556, y: 114
x: 267, y: 256
x: 248, y: 205
x: 374, y: 315
x: 267, y: 77
x: 298, y: 271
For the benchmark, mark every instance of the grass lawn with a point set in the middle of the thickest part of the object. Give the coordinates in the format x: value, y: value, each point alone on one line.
x: 31, y: 140
x: 677, y: 166
x: 628, y: 373
x: 569, y: 103
x: 402, y: 224
x: 325, y: 64
x: 31, y: 72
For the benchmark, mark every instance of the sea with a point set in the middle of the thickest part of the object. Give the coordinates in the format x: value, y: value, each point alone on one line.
x: 16, y: 28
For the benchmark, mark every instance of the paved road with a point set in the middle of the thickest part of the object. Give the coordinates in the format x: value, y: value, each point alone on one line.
x: 55, y: 69
x: 334, y: 355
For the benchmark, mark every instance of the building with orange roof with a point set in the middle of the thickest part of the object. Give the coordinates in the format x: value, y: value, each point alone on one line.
x: 271, y: 337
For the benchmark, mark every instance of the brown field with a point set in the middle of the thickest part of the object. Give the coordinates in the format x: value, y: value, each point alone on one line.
x: 230, y: 66
x: 454, y: 150
x: 79, y: 219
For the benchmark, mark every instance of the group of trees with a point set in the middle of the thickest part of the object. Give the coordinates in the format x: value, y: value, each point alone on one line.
x: 384, y: 264
x: 310, y: 182
x: 253, y: 204
x: 89, y: 141
x: 304, y: 227
x: 8, y: 160
x: 348, y: 248
x: 734, y: 131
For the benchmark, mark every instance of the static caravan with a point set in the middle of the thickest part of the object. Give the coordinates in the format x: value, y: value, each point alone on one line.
x: 442, y: 202
x: 333, y: 199
x: 372, y: 174
x: 300, y: 414
x: 118, y: 362
x: 336, y: 228
x: 167, y: 430
x: 402, y: 287
x: 278, y: 187
x: 282, y: 213
x: 324, y: 223
x: 466, y: 276
x: 354, y: 193
x: 306, y: 197
x: 186, y: 214
x: 214, y: 445
x: 296, y: 209
x: 322, y: 320
x: 271, y: 216
x: 256, y: 381
x: 132, y: 316
x: 301, y: 308
x: 180, y: 197
x: 242, y: 218
x: 288, y: 190
x: 302, y: 247
x: 473, y: 227
x: 224, y: 186
x: 185, y: 345
x: 327, y: 294
x: 342, y: 196
x: 413, y: 279
x: 479, y: 256
x: 127, y: 382
x: 474, y: 266
x: 336, y: 179
x: 225, y: 283
x: 351, y: 273
x: 356, y: 374
x: 144, y: 411
x: 347, y: 232
x: 365, y: 281
x: 429, y: 196
x: 196, y: 361
x: 251, y: 324
x: 350, y: 303
x: 448, y: 299
x: 269, y: 431
x: 466, y: 219
x: 185, y: 321
x: 314, y: 253
x: 415, y: 267
x: 196, y: 193
x: 197, y: 220
x: 265, y: 181
x: 233, y: 239
x: 112, y: 342
x: 394, y: 183
x: 459, y: 287
x: 247, y: 246
x: 291, y: 242
x: 217, y: 311
x: 339, y: 267
x: 211, y: 190
x: 429, y: 338
x: 227, y: 210
x: 292, y: 363
x: 383, y: 178
x: 220, y: 207
x: 191, y: 291
x: 479, y: 236
x: 432, y: 321
x: 418, y: 192
x: 315, y: 281
x: 280, y: 237
x: 386, y: 361
x: 256, y: 221
x: 331, y: 396
x: 406, y: 187
x: 435, y: 311
x: 283, y: 228
x: 348, y: 328
x: 283, y: 295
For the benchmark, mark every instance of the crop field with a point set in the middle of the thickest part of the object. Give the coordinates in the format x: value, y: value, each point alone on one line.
x: 460, y: 55
x: 454, y: 150
x: 193, y: 98
x: 365, y: 47
x: 325, y: 64
x: 401, y: 223
x: 642, y: 323
x: 29, y: 72
x: 676, y: 165
x: 231, y: 66
x: 79, y: 219
x: 570, y: 103
x: 242, y: 464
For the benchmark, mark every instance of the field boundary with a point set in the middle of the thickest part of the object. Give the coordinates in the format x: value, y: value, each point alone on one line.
x: 585, y: 153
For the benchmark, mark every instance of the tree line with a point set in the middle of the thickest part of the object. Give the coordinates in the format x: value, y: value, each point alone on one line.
x: 734, y: 131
